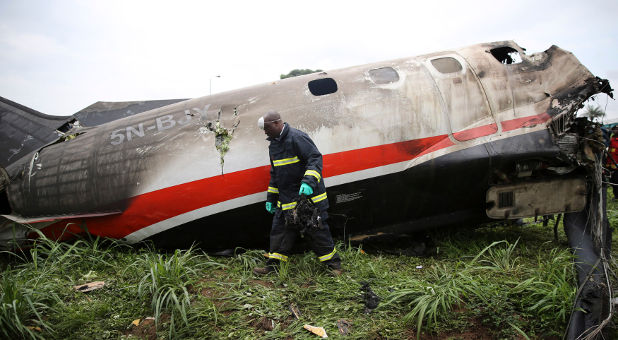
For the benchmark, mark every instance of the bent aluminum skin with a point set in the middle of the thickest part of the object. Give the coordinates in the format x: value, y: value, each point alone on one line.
x: 473, y: 135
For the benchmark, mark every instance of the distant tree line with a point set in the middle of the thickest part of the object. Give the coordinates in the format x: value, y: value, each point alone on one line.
x: 298, y: 72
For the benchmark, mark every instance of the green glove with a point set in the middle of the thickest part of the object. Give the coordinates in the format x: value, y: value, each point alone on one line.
x: 305, y: 189
x: 270, y: 208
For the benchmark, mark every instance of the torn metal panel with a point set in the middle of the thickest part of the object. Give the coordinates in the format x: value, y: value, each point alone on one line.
x: 23, y: 130
x: 516, y: 201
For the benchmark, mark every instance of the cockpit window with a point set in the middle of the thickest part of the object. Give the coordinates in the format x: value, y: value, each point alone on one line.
x: 506, y: 55
x: 446, y: 65
x: 384, y: 75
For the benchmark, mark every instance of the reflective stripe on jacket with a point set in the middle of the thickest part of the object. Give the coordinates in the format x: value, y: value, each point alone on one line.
x: 294, y: 158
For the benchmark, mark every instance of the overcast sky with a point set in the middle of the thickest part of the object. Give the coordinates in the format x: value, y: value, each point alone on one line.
x: 60, y: 56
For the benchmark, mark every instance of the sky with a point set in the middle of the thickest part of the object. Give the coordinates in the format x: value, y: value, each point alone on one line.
x: 59, y: 57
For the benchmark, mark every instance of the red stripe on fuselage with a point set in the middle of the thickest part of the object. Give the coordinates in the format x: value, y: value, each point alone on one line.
x: 476, y: 132
x: 159, y: 205
x: 530, y: 121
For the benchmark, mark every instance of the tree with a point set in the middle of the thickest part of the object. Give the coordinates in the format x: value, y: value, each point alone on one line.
x: 594, y: 112
x: 298, y: 72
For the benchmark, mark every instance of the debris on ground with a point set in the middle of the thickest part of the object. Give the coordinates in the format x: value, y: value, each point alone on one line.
x: 265, y: 324
x: 371, y: 299
x: 89, y: 286
x: 295, y: 311
x: 344, y: 326
x: 316, y: 330
x: 146, y: 321
x: 417, y: 245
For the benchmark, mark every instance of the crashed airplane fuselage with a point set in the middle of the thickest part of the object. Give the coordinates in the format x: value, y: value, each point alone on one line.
x: 473, y: 135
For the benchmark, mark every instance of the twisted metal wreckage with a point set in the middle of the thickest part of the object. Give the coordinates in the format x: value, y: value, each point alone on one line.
x: 473, y: 135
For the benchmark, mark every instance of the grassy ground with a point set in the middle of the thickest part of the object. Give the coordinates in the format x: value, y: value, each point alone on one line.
x: 489, y: 283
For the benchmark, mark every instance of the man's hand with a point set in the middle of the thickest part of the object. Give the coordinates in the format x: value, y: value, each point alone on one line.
x: 305, y: 189
x: 270, y: 208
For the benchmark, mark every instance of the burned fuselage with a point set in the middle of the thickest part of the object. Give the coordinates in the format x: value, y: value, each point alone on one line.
x: 469, y: 135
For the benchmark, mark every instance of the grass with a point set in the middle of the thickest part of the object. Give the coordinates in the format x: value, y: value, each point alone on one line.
x: 502, y: 282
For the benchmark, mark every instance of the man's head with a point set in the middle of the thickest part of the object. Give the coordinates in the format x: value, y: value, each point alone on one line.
x: 271, y: 123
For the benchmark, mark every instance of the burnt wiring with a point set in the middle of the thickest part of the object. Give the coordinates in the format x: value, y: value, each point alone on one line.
x: 596, y: 221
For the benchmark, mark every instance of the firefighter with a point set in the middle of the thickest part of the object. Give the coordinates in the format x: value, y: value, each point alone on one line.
x: 295, y: 170
x: 612, y: 160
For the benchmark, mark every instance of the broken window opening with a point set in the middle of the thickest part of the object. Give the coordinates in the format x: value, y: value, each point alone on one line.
x: 384, y: 75
x: 446, y: 65
x: 68, y: 126
x: 506, y: 55
x: 324, y: 86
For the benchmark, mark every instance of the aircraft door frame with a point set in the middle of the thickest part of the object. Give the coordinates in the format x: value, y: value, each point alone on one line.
x: 464, y: 98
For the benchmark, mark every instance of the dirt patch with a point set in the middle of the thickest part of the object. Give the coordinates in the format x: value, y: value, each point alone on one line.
x: 475, y: 331
x: 308, y: 284
x: 266, y: 284
x: 146, y: 328
x: 209, y: 292
x: 264, y: 324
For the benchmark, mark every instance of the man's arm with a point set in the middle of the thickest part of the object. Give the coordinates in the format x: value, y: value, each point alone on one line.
x: 310, y: 153
x: 273, y: 190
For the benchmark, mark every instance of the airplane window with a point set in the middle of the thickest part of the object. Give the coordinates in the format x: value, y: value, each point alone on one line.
x: 384, y: 75
x: 320, y: 87
x: 446, y: 65
x: 506, y: 55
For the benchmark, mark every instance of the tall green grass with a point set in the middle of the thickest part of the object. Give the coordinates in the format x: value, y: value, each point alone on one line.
x: 496, y: 286
x: 166, y: 283
x: 22, y: 308
x: 431, y: 299
x: 509, y: 282
x: 31, y: 285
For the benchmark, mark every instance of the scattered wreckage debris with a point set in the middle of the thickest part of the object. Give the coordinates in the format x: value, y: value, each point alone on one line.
x: 305, y: 216
x: 344, y: 326
x: 265, y: 324
x: 295, y: 311
x: 87, y: 287
x: 371, y: 299
x: 320, y: 331
x: 143, y: 328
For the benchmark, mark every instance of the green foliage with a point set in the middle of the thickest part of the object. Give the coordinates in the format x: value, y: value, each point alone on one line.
x: 498, y: 258
x: 21, y: 309
x: 431, y: 299
x: 551, y: 287
x: 594, y: 112
x: 492, y: 282
x: 248, y: 259
x: 167, y: 280
x: 298, y: 72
